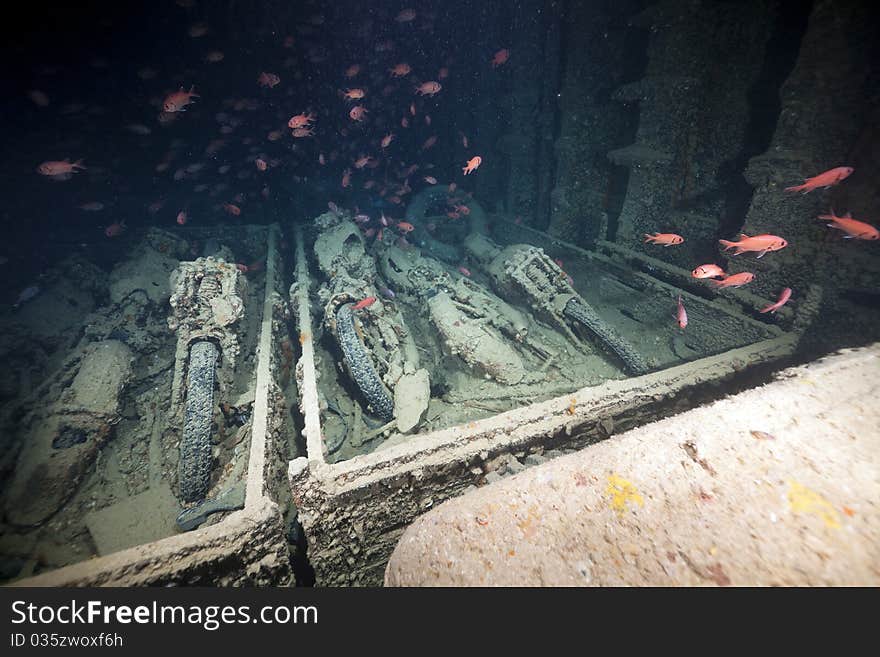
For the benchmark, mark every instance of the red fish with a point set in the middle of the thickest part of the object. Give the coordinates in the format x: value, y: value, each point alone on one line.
x: 364, y: 303
x: 465, y: 271
x: 500, y: 57
x: 56, y: 168
x: 708, y: 271
x: 387, y: 139
x: 784, y: 296
x: 268, y: 79
x: 428, y: 88
x: 181, y: 217
x: 760, y: 243
x: 400, y: 70
x: 234, y: 210
x: 300, y: 120
x: 406, y: 227
x: 115, y: 229
x: 357, y: 112
x: 681, y: 316
x: 262, y: 165
x: 666, y: 239
x: 737, y: 280
x: 826, y: 180
x: 177, y: 101
x: 852, y: 227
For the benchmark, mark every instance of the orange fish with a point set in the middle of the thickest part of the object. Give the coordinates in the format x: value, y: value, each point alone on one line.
x: 406, y: 227
x: 177, y: 101
x: 181, y: 217
x: 666, y: 239
x: 234, y: 210
x: 387, y: 139
x: 826, y: 180
x: 784, y: 296
x: 261, y: 164
x: 500, y: 57
x: 708, y: 271
x: 303, y: 132
x: 268, y: 80
x: 737, y: 280
x: 352, y: 70
x: 400, y: 70
x: 300, y: 120
x: 357, y: 112
x: 346, y: 178
x: 760, y: 243
x: 59, y: 168
x: 354, y: 94
x: 428, y: 88
x: 362, y: 161
x: 472, y: 165
x: 364, y: 303
x: 852, y: 227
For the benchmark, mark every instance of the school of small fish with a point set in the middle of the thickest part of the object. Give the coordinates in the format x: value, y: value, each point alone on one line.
x: 763, y: 244
x: 375, y: 125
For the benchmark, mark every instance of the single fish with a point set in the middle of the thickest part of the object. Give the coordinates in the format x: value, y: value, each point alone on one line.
x: 708, y: 271
x: 784, y: 296
x: 681, y: 316
x: 666, y: 239
x: 737, y: 280
x: 364, y: 303
x: 760, y: 243
x: 26, y: 295
x: 853, y: 228
x: 826, y: 180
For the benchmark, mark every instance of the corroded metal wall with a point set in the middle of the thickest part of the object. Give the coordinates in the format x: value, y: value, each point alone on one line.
x: 827, y: 120
x: 594, y: 56
x: 703, y: 57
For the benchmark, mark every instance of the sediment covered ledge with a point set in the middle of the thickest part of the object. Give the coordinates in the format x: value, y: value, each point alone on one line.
x: 774, y: 486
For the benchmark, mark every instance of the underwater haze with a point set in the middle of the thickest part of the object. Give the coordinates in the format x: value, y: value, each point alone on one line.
x: 497, y: 203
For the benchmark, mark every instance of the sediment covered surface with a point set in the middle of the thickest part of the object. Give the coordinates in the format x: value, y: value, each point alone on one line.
x: 777, y: 485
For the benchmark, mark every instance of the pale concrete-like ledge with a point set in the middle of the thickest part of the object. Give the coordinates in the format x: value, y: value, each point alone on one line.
x: 775, y: 486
